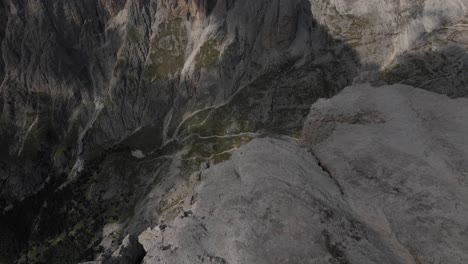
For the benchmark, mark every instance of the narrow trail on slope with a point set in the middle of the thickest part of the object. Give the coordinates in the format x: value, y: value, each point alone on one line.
x: 214, y: 107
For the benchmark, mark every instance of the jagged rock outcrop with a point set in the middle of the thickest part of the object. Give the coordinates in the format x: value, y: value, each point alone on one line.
x: 86, y: 82
x: 81, y: 77
x: 399, y: 157
x: 271, y: 203
x: 419, y: 43
x: 384, y: 181
x: 110, y: 111
x: 129, y: 252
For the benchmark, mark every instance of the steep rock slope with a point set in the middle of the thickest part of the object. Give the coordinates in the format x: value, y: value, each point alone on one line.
x: 384, y: 181
x: 419, y: 43
x: 86, y: 83
x: 81, y: 77
x: 383, y: 30
x: 271, y: 203
x: 400, y: 157
x: 109, y: 109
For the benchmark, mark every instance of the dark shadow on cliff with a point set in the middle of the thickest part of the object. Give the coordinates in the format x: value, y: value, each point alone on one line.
x: 278, y: 99
x: 3, y: 23
x: 63, y: 225
x: 68, y: 221
x: 443, y: 71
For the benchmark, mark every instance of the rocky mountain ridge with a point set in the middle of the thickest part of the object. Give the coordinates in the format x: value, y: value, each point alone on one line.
x: 377, y: 180
x: 110, y: 109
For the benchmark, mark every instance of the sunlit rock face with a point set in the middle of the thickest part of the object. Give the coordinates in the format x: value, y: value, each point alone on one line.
x: 419, y: 43
x: 111, y: 110
x: 80, y: 77
x: 379, y: 176
x: 397, y: 155
x: 383, y: 30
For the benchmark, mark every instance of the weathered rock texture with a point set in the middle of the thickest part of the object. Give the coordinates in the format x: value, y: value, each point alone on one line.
x: 86, y: 82
x: 81, y: 77
x: 271, y: 203
x: 398, y: 154
x: 110, y: 109
x: 384, y: 181
x: 420, y: 43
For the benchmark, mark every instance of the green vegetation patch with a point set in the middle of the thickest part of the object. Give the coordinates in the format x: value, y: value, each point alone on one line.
x: 69, y: 226
x: 208, y: 55
x: 241, y: 114
x: 277, y: 102
x: 220, y: 158
x: 133, y: 35
x: 167, y: 51
x: 194, y: 122
x: 207, y: 148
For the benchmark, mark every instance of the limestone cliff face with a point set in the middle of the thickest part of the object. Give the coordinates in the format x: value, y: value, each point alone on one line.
x: 408, y: 41
x: 83, y: 76
x: 110, y: 108
x: 377, y: 181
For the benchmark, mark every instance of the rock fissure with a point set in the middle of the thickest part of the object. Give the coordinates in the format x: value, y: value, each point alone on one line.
x: 325, y: 169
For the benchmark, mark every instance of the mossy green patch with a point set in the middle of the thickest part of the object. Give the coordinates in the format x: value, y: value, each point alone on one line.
x: 207, y: 148
x: 208, y: 55
x: 133, y: 35
x: 270, y: 104
x: 194, y: 122
x: 220, y: 158
x: 69, y: 226
x: 167, y: 52
x: 238, y: 115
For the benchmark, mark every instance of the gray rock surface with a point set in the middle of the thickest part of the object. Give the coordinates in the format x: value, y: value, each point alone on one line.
x: 80, y: 77
x: 111, y: 110
x: 384, y: 181
x: 271, y: 203
x: 419, y: 43
x: 400, y: 157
